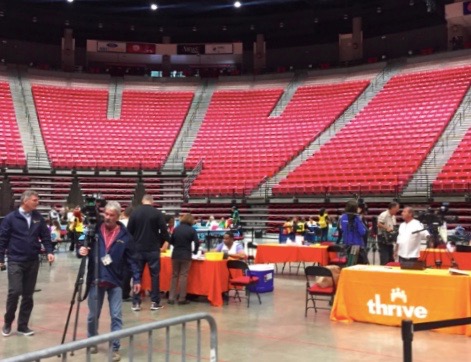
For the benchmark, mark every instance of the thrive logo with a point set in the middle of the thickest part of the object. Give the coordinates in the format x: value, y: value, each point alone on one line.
x: 376, y: 307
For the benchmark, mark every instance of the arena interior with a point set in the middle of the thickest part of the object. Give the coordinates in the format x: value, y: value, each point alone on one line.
x: 277, y: 142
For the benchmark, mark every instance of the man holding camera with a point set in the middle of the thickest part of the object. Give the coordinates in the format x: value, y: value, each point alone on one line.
x: 113, y: 248
x: 353, y: 232
x: 411, y: 233
x: 386, y: 224
x: 22, y: 233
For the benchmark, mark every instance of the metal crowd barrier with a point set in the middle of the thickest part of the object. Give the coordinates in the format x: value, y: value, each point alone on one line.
x: 65, y: 350
x: 408, y: 328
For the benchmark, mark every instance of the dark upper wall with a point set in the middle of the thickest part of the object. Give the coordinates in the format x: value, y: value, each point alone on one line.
x: 392, y: 45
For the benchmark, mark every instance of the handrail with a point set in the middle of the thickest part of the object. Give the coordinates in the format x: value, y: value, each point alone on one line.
x: 188, y: 181
x: 63, y: 350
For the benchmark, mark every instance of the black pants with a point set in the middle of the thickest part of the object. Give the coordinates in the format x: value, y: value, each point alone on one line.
x: 386, y: 253
x: 127, y: 276
x: 21, y: 282
x: 152, y: 258
x: 75, y: 240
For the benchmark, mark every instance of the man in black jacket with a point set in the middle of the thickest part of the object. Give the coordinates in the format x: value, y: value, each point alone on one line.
x: 149, y: 230
x: 21, y: 233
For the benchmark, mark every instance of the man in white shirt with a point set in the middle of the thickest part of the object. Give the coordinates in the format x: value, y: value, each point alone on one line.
x: 411, y: 233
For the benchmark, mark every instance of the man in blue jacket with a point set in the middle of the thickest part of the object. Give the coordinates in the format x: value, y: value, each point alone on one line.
x: 113, y: 246
x: 22, y: 233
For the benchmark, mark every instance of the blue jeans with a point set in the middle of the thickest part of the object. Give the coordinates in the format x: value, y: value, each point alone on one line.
x: 115, y: 300
x: 152, y: 258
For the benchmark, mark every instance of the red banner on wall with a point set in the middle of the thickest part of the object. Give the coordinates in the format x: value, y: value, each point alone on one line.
x: 140, y: 48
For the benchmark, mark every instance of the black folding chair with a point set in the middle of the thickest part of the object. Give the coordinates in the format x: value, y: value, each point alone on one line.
x: 237, y: 281
x: 314, y: 291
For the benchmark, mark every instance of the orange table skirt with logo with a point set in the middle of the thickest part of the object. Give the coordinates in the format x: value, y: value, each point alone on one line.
x: 433, y: 255
x: 208, y: 278
x: 381, y: 295
x: 282, y: 253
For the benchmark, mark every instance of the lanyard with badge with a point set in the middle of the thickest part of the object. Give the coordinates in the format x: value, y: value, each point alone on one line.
x: 108, y: 236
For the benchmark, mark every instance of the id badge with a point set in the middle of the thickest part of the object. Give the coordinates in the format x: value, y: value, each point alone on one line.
x: 106, y: 260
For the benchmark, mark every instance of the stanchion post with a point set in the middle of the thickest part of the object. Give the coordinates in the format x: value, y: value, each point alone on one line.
x: 407, y: 332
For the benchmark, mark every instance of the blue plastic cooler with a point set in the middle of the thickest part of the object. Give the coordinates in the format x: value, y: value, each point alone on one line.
x: 265, y: 274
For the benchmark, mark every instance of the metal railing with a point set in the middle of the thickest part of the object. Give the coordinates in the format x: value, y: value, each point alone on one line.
x: 188, y: 181
x: 130, y: 333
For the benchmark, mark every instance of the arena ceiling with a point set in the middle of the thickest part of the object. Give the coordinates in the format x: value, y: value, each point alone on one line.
x: 283, y: 22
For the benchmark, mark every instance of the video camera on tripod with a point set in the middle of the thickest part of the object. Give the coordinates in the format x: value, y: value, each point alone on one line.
x: 434, y: 219
x: 91, y: 209
x: 390, y: 237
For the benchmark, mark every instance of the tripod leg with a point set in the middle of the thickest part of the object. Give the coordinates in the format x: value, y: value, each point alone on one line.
x: 76, y: 295
x: 77, y: 312
x: 72, y: 303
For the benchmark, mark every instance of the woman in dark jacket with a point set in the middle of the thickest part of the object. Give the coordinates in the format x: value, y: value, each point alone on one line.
x: 182, y: 237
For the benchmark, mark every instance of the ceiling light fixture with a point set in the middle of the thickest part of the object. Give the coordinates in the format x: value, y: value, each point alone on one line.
x: 153, y: 7
x: 70, y: 1
x: 237, y: 4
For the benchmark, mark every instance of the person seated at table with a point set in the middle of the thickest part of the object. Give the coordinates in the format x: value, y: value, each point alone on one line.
x: 233, y: 249
x: 288, y: 228
x: 213, y: 224
x: 196, y: 223
x: 222, y: 223
x: 310, y: 230
x: 300, y: 227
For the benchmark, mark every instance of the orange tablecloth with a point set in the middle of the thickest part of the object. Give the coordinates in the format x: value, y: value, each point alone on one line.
x: 209, y: 278
x: 463, y: 259
x: 386, y: 296
x: 281, y: 253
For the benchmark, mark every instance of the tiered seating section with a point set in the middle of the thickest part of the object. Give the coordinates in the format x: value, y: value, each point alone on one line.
x: 53, y: 190
x: 241, y: 145
x: 379, y: 151
x: 11, y: 149
x: 455, y: 177
x: 152, y: 187
x: 112, y: 188
x: 78, y: 135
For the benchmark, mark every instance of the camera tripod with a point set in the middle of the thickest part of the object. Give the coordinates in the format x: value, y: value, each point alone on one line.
x: 76, y: 296
x: 373, y: 247
x: 437, y: 248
